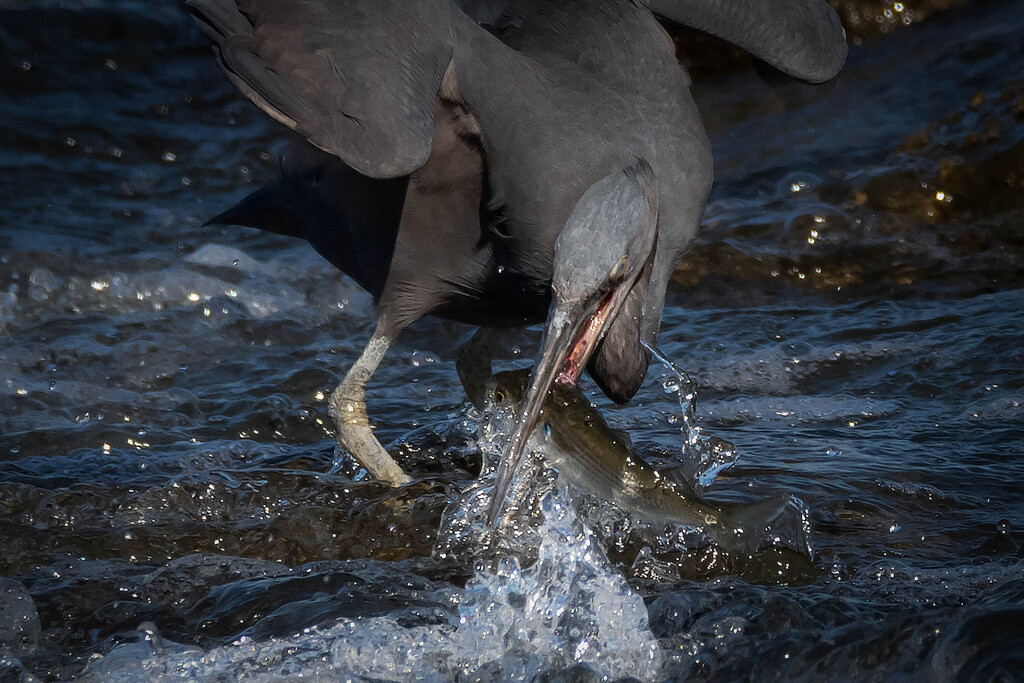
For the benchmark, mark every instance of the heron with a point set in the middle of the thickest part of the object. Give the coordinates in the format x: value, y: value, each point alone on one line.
x: 500, y: 163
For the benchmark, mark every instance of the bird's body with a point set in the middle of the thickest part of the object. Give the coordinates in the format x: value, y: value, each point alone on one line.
x: 583, y: 115
x: 497, y: 162
x: 492, y: 225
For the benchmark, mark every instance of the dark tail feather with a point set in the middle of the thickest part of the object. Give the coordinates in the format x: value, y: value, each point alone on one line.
x: 275, y: 208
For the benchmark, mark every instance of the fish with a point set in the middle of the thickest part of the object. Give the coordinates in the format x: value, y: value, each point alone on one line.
x: 575, y: 440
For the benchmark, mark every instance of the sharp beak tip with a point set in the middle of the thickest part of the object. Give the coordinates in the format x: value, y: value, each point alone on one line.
x: 560, y: 338
x: 507, y: 468
x: 556, y: 346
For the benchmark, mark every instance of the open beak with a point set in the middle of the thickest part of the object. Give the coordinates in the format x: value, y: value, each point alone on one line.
x: 572, y: 332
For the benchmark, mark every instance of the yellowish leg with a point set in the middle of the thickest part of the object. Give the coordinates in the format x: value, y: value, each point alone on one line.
x: 348, y: 409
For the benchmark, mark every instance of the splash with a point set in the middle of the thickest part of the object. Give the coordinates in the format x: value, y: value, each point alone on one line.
x: 570, y: 608
x: 555, y: 605
x: 570, y: 611
x: 703, y: 457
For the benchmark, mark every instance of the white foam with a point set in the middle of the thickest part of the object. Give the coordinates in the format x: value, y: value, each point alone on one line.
x: 570, y: 608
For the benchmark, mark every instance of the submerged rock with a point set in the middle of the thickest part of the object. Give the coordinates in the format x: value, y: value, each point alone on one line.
x: 19, y: 620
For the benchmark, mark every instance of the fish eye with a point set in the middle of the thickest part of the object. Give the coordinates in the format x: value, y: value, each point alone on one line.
x: 499, y: 395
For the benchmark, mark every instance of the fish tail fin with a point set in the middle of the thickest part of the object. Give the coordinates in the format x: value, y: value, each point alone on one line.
x: 742, y: 529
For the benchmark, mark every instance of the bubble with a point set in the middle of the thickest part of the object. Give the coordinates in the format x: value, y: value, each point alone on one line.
x: 796, y: 183
x: 817, y: 225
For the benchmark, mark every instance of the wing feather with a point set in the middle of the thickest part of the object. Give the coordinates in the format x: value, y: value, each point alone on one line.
x: 358, y: 79
x: 800, y: 37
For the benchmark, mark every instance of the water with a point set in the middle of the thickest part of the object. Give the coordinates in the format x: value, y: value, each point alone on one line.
x: 170, y: 499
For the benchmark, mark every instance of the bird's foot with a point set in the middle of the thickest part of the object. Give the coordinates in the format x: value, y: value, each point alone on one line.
x: 348, y: 409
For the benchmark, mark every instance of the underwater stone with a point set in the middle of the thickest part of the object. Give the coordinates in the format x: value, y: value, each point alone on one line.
x: 19, y: 621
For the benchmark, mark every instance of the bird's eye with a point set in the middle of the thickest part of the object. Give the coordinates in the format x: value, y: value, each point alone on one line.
x: 619, y: 270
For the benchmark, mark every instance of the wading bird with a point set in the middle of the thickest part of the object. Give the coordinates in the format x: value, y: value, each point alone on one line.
x: 498, y: 163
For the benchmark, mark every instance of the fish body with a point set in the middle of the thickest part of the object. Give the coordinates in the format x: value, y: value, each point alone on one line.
x: 574, y: 439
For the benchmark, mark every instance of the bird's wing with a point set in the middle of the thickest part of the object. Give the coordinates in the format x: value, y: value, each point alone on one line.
x: 800, y: 37
x: 358, y: 79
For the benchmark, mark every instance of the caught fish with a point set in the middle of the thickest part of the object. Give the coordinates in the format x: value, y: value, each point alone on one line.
x: 574, y: 439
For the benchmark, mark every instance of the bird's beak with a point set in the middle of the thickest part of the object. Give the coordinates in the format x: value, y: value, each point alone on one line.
x: 572, y: 332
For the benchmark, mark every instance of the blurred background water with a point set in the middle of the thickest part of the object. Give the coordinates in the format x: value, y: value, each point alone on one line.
x: 851, y: 313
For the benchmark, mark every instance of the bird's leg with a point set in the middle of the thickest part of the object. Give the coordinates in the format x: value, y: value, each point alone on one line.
x: 348, y: 409
x: 473, y: 363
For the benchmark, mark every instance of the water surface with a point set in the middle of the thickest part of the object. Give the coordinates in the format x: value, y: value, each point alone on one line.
x: 851, y: 313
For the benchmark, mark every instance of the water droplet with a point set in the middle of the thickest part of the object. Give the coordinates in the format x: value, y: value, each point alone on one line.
x: 419, y: 358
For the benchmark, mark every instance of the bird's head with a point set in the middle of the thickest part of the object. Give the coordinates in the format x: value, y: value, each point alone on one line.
x: 605, y: 248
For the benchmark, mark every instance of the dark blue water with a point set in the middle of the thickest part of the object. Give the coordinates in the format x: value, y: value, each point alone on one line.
x: 851, y: 313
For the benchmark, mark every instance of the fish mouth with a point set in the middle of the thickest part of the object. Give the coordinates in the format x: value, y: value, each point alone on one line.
x: 572, y: 333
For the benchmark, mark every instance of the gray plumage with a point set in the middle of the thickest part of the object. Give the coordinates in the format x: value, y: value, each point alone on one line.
x: 463, y: 138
